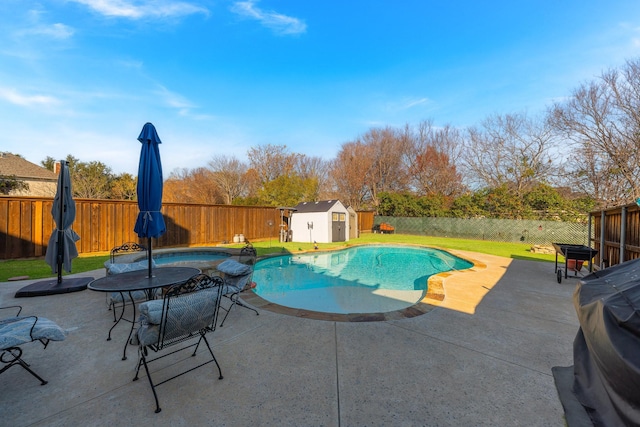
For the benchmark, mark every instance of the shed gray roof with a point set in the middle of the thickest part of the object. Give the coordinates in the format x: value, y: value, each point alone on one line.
x: 322, y: 206
x: 10, y: 165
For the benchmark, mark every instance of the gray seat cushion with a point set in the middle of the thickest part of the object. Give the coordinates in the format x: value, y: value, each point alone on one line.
x: 236, y: 275
x: 123, y: 267
x: 234, y: 268
x: 187, y: 314
x: 15, y: 331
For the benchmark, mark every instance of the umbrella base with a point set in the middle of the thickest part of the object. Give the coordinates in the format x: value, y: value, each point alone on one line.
x: 52, y: 287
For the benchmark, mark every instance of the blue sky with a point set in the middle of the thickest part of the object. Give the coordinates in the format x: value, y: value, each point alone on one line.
x: 82, y: 77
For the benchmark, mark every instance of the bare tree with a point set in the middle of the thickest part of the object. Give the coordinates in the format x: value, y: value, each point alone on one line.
x: 349, y: 172
x: 271, y: 161
x: 432, y: 155
x: 387, y: 148
x: 229, y: 174
x: 317, y: 169
x: 192, y: 186
x: 511, y: 150
x: 602, y: 120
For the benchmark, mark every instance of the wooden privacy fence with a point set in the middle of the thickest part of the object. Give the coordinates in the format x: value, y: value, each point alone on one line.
x: 26, y: 225
x: 615, y: 234
x: 365, y: 221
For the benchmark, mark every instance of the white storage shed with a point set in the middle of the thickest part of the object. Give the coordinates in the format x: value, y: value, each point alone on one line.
x: 322, y: 222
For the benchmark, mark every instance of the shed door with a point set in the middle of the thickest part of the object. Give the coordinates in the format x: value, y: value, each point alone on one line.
x: 338, y: 227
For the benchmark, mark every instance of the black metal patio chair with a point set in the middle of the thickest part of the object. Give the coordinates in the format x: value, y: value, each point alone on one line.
x: 116, y: 265
x: 185, y: 315
x: 237, y: 275
x: 18, y: 330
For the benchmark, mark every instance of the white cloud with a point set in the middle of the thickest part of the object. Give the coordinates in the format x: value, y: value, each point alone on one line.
x: 56, y: 31
x: 143, y: 8
x: 17, y: 98
x: 416, y: 102
x: 174, y: 100
x: 406, y: 104
x: 281, y: 24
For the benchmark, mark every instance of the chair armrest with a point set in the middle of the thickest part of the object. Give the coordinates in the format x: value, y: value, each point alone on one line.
x: 19, y: 307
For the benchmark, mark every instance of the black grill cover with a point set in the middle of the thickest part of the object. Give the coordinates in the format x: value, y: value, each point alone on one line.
x: 606, y: 351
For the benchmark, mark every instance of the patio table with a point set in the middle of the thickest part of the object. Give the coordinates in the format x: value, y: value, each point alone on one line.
x: 139, y: 280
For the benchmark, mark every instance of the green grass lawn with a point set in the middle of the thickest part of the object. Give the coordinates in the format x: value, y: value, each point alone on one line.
x: 37, y: 268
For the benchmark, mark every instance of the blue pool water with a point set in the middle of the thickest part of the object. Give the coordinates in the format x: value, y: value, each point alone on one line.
x: 362, y: 279
x: 188, y: 257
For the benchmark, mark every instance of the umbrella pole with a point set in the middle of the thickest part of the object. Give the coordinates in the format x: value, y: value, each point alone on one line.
x: 60, y: 255
x: 150, y: 258
x: 60, y: 219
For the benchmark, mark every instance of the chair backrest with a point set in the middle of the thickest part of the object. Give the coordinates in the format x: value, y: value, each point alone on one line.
x: 248, y: 254
x: 125, y: 248
x: 236, y: 275
x: 186, y: 310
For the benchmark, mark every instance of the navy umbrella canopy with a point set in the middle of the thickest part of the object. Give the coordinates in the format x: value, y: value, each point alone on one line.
x: 150, y: 222
x: 62, y: 243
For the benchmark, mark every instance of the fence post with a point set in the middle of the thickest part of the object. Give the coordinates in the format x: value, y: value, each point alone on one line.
x: 602, y: 247
x: 623, y: 232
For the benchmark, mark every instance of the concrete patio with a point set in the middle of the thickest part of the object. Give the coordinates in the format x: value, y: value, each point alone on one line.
x: 481, y: 357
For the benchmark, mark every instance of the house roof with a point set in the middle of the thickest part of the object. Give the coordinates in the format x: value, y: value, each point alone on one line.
x: 321, y: 206
x: 10, y: 165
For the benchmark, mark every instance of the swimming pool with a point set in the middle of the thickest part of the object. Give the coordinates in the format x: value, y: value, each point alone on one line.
x: 205, y: 259
x: 176, y: 257
x: 361, y: 279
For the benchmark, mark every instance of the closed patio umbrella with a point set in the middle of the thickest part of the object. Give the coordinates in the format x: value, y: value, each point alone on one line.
x: 150, y: 222
x: 62, y: 244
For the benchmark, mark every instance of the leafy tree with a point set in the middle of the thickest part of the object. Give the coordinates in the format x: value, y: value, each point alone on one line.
x: 11, y: 183
x: 578, y: 208
x: 398, y: 204
x: 433, y: 205
x: 49, y: 163
x: 124, y: 187
x: 468, y: 205
x: 287, y: 191
x: 545, y: 199
x: 91, y: 180
x: 247, y: 201
x: 502, y: 202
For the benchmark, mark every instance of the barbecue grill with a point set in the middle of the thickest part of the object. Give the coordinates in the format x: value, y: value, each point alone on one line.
x: 574, y: 257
